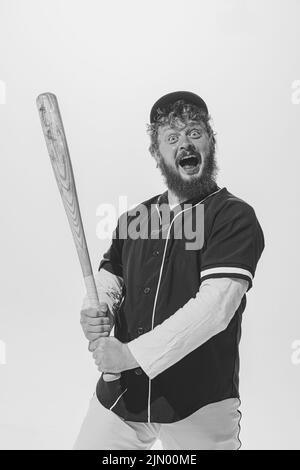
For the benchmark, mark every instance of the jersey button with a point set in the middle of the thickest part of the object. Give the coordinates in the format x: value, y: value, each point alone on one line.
x: 155, y: 253
x: 140, y: 330
x: 138, y: 371
x: 147, y: 290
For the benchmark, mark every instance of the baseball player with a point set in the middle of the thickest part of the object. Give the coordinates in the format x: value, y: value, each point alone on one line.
x: 175, y: 304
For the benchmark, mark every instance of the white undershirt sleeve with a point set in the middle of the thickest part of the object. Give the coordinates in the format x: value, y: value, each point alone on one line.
x: 196, y: 322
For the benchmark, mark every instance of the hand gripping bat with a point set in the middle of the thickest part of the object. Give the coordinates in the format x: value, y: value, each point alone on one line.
x: 61, y: 163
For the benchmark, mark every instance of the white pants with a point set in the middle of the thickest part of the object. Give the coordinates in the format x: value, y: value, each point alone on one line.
x: 213, y: 427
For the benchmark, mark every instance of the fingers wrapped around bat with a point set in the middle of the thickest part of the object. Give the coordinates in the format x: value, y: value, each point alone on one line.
x: 98, y: 329
x: 97, y: 321
x: 97, y: 345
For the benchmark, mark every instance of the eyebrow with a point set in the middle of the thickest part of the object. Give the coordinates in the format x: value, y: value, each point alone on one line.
x: 168, y: 129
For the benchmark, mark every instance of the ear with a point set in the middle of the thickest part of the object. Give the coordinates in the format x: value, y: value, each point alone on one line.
x: 156, y: 158
x: 154, y: 154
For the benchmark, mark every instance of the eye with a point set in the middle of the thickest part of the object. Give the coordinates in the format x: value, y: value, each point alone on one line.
x: 195, y: 133
x: 172, y: 138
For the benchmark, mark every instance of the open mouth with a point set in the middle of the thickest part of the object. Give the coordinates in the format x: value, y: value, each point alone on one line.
x: 190, y: 164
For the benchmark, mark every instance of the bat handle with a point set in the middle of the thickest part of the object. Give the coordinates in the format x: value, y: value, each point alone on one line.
x: 94, y: 301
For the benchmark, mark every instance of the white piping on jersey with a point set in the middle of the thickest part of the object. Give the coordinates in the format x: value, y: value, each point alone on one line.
x: 160, y: 275
x: 158, y: 212
x: 118, y: 399
x: 227, y: 270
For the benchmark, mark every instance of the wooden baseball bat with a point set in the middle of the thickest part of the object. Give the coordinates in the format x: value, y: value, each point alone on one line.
x: 57, y: 146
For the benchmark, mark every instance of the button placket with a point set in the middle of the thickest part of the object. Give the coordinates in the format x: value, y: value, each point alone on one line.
x: 139, y: 371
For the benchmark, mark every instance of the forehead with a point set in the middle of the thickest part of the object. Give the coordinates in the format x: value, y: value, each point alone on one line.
x: 179, y: 125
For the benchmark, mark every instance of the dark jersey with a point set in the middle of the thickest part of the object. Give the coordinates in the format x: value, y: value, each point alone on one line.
x: 160, y: 276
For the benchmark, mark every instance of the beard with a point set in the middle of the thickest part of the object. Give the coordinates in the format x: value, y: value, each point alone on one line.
x: 196, y: 187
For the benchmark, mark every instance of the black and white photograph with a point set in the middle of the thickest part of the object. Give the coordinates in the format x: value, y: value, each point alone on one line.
x: 149, y: 227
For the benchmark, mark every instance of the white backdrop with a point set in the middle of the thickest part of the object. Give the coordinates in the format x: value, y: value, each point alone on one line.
x: 108, y: 62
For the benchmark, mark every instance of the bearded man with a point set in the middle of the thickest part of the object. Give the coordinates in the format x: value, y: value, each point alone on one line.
x: 176, y: 306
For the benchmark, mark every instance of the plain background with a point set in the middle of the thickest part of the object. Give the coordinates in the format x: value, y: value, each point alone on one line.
x: 108, y: 62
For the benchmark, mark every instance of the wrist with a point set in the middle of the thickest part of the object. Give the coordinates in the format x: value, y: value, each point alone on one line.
x: 130, y: 359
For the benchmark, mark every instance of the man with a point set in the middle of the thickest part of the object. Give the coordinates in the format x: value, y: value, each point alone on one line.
x: 176, y: 305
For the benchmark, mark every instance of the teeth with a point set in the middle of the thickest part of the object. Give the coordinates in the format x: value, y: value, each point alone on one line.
x: 186, y: 158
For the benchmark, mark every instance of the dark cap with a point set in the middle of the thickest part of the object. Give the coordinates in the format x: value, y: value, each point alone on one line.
x: 167, y: 100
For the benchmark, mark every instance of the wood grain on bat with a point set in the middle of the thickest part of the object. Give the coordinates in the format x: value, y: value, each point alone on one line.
x: 59, y: 154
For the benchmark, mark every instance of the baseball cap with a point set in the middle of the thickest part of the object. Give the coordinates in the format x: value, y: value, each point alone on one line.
x: 167, y: 100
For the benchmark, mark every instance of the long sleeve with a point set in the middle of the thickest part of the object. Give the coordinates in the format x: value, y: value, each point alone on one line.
x: 196, y: 322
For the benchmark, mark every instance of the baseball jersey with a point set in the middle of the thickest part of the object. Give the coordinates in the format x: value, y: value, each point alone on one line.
x: 160, y: 275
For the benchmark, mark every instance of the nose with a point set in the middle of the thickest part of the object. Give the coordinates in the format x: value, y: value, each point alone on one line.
x: 185, y: 143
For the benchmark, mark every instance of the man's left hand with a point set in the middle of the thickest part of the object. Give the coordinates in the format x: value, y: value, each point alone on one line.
x: 111, y: 355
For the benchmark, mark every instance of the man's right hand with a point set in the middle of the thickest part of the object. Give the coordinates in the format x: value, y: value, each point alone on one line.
x: 95, y: 323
